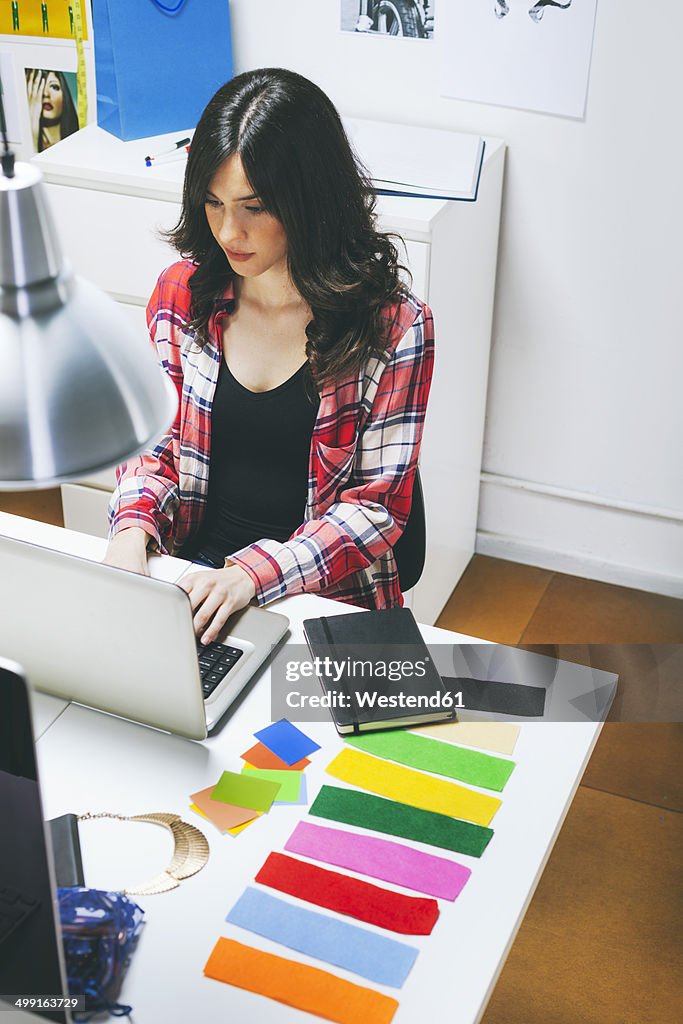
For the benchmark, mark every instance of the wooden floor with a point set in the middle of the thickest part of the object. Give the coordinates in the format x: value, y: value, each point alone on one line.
x: 601, y: 941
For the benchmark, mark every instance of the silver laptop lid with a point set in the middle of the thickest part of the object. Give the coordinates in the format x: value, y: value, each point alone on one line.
x: 101, y: 636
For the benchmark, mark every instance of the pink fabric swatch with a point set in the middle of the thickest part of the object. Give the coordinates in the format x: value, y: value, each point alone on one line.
x: 380, y: 858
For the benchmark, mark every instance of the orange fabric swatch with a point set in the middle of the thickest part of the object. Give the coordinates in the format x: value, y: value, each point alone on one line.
x: 306, y: 988
x: 259, y: 756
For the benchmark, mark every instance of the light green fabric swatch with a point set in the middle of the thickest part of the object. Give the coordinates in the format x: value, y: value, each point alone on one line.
x: 415, y: 751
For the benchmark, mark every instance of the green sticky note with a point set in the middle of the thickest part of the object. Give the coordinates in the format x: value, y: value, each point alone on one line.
x: 288, y: 781
x: 429, y: 755
x: 245, y: 791
x: 395, y: 819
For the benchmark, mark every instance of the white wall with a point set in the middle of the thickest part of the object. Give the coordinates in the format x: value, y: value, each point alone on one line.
x: 582, y: 465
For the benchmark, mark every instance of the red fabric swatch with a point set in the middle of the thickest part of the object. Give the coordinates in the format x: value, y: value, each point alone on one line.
x: 410, y: 915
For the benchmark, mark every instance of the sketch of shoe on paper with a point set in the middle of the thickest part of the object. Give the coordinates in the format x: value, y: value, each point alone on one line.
x: 538, y: 10
x: 501, y: 8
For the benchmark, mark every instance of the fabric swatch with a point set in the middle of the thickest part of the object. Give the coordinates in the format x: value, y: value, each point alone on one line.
x: 430, y: 755
x: 230, y: 831
x: 289, y: 782
x: 500, y: 737
x: 396, y: 819
x: 372, y: 956
x: 299, y: 985
x: 303, y: 794
x: 409, y: 915
x: 245, y: 791
x: 411, y: 787
x: 260, y: 757
x: 286, y: 741
x: 223, y: 816
x: 380, y: 858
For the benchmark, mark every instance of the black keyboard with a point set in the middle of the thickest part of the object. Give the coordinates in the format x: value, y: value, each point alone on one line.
x: 215, y: 661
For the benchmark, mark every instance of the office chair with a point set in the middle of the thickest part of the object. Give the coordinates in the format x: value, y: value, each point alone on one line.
x: 409, y: 550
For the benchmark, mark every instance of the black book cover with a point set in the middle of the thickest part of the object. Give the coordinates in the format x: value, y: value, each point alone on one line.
x: 380, y: 674
x: 66, y: 850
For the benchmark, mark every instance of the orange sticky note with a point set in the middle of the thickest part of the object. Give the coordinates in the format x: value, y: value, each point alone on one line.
x: 306, y: 988
x: 230, y: 832
x: 260, y: 757
x: 224, y: 816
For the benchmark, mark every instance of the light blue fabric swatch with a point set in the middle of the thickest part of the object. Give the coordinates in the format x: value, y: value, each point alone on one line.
x: 384, y: 961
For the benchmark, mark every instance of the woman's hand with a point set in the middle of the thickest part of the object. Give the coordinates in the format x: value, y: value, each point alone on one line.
x: 128, y: 550
x: 215, y: 595
x: 34, y: 91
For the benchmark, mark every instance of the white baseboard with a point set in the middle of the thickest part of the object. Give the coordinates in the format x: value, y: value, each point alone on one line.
x: 581, y: 534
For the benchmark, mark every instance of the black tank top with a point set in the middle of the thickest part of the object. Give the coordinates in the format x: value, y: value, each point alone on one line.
x: 258, y: 470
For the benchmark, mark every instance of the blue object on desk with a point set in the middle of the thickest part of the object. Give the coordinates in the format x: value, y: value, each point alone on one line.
x: 286, y: 741
x: 99, y: 932
x: 158, y: 63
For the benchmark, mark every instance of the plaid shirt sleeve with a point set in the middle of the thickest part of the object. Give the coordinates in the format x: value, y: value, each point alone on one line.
x: 147, y: 493
x: 367, y: 514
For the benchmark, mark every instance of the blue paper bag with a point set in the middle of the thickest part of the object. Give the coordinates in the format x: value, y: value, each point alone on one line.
x: 158, y: 63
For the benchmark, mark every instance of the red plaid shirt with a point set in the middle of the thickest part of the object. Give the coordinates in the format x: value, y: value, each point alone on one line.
x: 362, y: 461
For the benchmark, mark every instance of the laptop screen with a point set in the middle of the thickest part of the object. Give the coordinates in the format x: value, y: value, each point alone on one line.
x: 29, y: 937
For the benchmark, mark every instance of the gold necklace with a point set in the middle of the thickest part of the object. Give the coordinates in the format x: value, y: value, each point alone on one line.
x: 190, y: 853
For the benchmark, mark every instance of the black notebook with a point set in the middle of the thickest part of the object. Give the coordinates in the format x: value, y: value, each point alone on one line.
x: 377, y: 671
x: 66, y: 850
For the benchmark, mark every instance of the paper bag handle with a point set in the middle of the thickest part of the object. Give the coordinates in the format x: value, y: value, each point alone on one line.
x: 169, y: 10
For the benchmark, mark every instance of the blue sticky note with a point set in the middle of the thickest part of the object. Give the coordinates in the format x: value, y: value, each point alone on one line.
x: 372, y: 956
x: 286, y: 741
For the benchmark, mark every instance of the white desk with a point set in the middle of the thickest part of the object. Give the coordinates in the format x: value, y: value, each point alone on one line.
x: 90, y: 761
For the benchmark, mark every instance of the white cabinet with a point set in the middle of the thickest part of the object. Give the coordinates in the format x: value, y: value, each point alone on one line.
x: 110, y: 211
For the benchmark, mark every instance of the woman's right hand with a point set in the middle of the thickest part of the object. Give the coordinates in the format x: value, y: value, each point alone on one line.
x: 128, y: 550
x: 34, y: 91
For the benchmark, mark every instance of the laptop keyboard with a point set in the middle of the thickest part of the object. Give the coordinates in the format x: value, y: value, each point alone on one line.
x: 14, y: 909
x: 215, y: 661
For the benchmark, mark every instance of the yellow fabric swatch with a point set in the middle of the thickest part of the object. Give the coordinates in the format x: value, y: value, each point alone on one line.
x: 411, y: 787
x: 497, y: 736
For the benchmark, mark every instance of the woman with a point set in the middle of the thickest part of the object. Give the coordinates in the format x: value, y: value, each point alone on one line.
x: 302, y: 366
x: 51, y: 110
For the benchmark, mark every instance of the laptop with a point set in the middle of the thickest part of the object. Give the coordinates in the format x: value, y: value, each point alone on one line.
x: 124, y: 643
x: 31, y: 954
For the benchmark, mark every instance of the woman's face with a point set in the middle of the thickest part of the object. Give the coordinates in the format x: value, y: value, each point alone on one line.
x: 52, y: 99
x: 253, y: 240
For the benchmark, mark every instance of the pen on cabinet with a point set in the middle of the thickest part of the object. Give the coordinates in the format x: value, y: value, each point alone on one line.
x: 180, y: 144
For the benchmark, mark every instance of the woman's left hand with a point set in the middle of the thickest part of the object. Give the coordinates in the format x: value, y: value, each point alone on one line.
x: 215, y: 595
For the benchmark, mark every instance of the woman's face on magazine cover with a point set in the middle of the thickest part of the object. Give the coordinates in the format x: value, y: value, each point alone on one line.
x: 53, y: 99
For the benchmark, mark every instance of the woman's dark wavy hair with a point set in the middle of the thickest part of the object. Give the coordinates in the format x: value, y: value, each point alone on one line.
x: 298, y: 161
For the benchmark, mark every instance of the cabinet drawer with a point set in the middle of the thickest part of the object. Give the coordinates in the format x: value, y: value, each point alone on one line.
x: 113, y: 239
x: 85, y: 509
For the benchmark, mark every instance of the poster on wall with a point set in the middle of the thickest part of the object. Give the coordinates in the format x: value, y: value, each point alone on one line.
x: 530, y: 54
x: 390, y: 18
x: 52, y: 98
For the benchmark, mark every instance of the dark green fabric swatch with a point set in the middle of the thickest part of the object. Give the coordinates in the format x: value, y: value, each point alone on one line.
x: 395, y: 819
x: 430, y: 755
